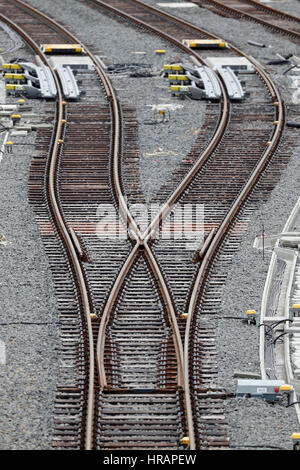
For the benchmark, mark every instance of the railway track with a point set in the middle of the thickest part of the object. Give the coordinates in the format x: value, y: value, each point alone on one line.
x: 282, y: 23
x: 74, y: 424
x: 149, y: 285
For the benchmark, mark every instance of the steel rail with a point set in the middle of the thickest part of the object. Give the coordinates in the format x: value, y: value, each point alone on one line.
x: 222, y: 124
x: 116, y: 178
x: 79, y: 274
x: 210, y: 35
x: 62, y: 227
x: 222, y: 230
x: 160, y: 33
x: 219, y: 236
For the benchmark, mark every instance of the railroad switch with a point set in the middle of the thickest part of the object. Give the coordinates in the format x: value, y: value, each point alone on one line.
x: 15, y: 118
x: 296, y: 440
x: 184, y: 316
x: 9, y: 146
x: 173, y: 68
x: 21, y: 103
x: 178, y: 78
x: 288, y: 390
x: 62, y: 49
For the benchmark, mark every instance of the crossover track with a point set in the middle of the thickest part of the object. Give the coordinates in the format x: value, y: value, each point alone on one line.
x: 147, y: 395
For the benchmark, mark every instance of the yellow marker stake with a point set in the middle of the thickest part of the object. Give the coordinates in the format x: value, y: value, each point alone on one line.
x: 9, y: 146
